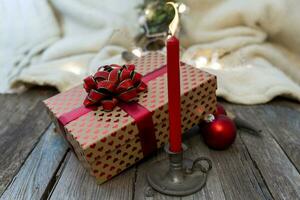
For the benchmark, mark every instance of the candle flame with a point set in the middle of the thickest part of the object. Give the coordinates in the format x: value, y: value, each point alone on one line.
x: 174, y: 24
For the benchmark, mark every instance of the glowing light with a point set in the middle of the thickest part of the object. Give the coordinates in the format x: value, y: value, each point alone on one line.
x: 147, y: 11
x: 137, y: 52
x: 215, y: 62
x: 73, y: 67
x: 215, y: 65
x: 215, y: 57
x: 205, y: 62
x: 201, y: 62
x: 182, y: 8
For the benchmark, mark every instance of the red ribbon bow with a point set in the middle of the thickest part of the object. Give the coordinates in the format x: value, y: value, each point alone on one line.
x: 112, y: 83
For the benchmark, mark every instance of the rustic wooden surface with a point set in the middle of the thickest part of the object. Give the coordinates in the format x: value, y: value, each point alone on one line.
x: 23, y: 119
x: 36, y: 162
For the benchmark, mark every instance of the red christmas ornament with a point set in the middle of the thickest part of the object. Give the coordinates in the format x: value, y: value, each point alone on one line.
x: 220, y: 110
x: 219, y: 132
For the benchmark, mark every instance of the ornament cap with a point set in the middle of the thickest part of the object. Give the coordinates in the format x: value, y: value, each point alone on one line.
x: 209, y: 118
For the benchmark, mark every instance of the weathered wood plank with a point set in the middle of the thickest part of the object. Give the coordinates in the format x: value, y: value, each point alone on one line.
x: 285, y: 103
x: 278, y: 172
x: 253, y: 168
x: 232, y: 176
x: 237, y: 174
x: 23, y: 119
x: 38, y: 172
x: 76, y: 183
x: 284, y: 125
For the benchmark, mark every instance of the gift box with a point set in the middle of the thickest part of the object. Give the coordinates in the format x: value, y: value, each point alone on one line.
x: 109, y: 142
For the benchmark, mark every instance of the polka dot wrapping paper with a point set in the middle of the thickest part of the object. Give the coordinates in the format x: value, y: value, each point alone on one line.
x: 108, y: 142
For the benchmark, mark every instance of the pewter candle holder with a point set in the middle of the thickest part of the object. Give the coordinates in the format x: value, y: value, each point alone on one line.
x: 178, y: 176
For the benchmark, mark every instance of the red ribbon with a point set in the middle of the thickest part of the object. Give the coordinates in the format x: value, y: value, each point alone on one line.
x: 112, y: 83
x: 141, y: 115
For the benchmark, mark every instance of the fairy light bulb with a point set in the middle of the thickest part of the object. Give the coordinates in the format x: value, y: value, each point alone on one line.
x: 182, y: 8
x: 137, y: 52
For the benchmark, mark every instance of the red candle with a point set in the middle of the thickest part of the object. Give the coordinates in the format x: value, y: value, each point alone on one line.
x: 174, y: 94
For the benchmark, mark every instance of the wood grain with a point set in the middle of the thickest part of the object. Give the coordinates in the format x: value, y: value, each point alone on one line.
x: 212, y: 190
x: 236, y: 173
x: 37, y: 173
x: 23, y: 119
x: 265, y: 167
x: 233, y: 176
x: 283, y: 123
x: 278, y: 172
x: 75, y: 183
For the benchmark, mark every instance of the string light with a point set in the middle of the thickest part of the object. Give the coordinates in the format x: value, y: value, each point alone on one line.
x: 137, y: 52
x: 215, y: 61
x: 73, y: 67
x: 182, y: 8
x: 201, y: 62
x: 147, y: 11
x: 215, y: 65
x: 211, y: 62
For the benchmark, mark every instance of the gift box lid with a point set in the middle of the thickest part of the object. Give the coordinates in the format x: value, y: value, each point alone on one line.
x: 104, y: 131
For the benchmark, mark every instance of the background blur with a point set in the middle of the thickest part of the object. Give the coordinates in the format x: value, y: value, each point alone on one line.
x: 252, y: 46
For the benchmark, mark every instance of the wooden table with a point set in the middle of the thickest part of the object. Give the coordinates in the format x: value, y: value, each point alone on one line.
x: 36, y: 163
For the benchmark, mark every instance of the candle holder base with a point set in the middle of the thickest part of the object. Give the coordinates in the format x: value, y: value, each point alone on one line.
x: 178, y: 177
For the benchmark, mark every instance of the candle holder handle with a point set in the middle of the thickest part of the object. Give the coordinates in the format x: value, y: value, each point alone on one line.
x: 180, y: 176
x: 197, y: 165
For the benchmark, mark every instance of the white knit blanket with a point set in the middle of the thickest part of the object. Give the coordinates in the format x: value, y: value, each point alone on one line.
x: 252, y: 46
